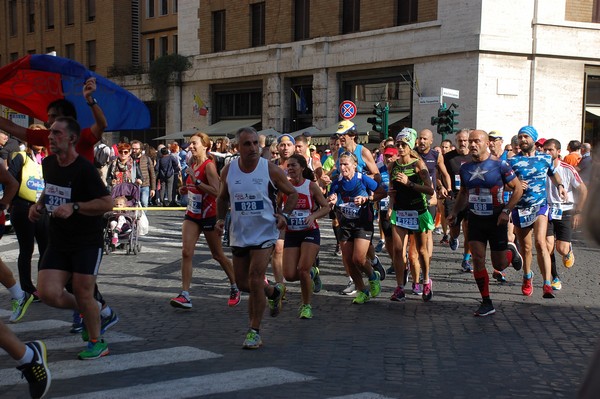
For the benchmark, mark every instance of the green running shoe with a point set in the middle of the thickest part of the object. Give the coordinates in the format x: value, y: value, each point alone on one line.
x: 375, y: 285
x: 94, y: 350
x: 19, y: 307
x: 252, y: 340
x: 361, y: 298
x: 305, y: 312
x: 275, y: 304
x: 316, y: 279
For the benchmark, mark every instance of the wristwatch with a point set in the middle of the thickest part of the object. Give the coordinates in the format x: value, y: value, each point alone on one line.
x: 506, y: 211
x: 285, y: 215
x: 75, y: 207
x: 93, y: 102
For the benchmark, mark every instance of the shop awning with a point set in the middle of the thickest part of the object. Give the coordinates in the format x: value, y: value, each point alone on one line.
x: 229, y: 126
x: 593, y: 110
x: 362, y: 126
x: 269, y: 132
x: 312, y: 130
x: 178, y: 135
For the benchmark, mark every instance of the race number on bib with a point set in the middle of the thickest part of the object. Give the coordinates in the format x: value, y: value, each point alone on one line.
x: 55, y: 196
x: 350, y: 210
x: 457, y: 182
x: 194, y: 203
x: 528, y: 215
x: 297, y: 219
x: 384, y: 204
x: 556, y: 212
x: 407, y: 219
x: 250, y: 204
x: 481, y: 205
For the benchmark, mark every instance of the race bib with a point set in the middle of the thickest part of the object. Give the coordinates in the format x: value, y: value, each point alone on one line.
x: 194, y: 203
x: 250, y: 204
x: 384, y: 204
x: 407, y: 219
x: 55, y: 196
x: 556, y: 212
x: 297, y: 219
x: 481, y: 205
x: 457, y: 182
x: 350, y: 210
x: 528, y: 215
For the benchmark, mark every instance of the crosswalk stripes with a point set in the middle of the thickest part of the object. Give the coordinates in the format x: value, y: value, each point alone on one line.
x: 37, y: 325
x: 204, y: 385
x: 362, y: 395
x: 77, y: 368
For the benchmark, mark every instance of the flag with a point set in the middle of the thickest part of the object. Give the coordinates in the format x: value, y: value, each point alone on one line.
x: 199, y: 107
x: 298, y: 101
x: 303, y: 105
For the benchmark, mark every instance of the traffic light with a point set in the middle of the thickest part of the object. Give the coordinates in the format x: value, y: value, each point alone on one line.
x: 453, y: 121
x: 377, y: 120
x: 445, y: 119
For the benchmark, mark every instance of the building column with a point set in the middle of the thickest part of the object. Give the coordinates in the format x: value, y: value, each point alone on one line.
x: 272, y: 112
x: 325, y: 98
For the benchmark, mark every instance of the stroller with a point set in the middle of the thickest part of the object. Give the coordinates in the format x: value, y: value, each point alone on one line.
x: 127, y: 237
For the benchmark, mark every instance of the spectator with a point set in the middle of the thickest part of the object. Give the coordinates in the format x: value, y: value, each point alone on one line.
x: 574, y: 156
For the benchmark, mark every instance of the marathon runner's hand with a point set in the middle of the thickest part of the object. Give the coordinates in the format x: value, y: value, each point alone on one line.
x: 220, y: 226
x: 503, y: 219
x: 183, y: 190
x: 281, y: 221
x: 450, y: 219
x: 35, y: 212
x: 562, y: 192
x: 524, y: 185
x: 64, y: 211
x: 442, y: 192
x: 402, y: 178
x: 332, y: 199
x: 576, y: 221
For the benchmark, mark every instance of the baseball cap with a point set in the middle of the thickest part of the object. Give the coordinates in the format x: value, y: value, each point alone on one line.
x: 407, y: 135
x: 312, y: 148
x: 328, y: 151
x: 540, y: 141
x: 390, y: 151
x: 495, y: 134
x: 286, y: 137
x: 346, y: 127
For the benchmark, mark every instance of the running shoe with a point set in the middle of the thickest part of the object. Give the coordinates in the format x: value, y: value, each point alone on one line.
x: 517, y: 259
x: 569, y: 259
x: 548, y: 293
x: 305, y: 312
x: 361, y: 298
x: 379, y: 267
x: 252, y: 340
x: 108, y: 321
x: 338, y: 251
x: 453, y: 243
x: 19, y: 307
x: 36, y: 297
x: 275, y: 304
x: 77, y: 325
x: 316, y: 279
x: 527, y: 287
x: 379, y: 246
x: 499, y: 276
x: 556, y: 284
x: 390, y: 270
x: 438, y: 231
x: 181, y: 301
x: 375, y: 285
x: 485, y: 309
x: 416, y: 289
x: 350, y: 289
x: 235, y: 297
x: 428, y: 291
x: 36, y: 372
x: 398, y: 295
x: 94, y: 350
x: 466, y: 266
x: 445, y: 239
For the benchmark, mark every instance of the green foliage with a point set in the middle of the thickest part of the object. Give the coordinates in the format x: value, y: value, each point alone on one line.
x: 161, y: 70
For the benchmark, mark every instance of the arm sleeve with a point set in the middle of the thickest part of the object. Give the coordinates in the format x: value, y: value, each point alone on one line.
x: 15, y: 166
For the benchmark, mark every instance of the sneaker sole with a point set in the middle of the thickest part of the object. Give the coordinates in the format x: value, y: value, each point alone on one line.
x: 517, y: 263
x: 179, y: 305
x: 488, y: 313
x: 234, y: 304
x: 113, y: 321
x: 105, y: 352
x: 25, y: 307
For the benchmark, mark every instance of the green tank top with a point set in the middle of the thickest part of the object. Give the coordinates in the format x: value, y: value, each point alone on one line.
x: 406, y: 198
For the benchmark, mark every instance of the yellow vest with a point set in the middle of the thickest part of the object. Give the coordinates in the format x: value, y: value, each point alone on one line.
x: 32, y: 180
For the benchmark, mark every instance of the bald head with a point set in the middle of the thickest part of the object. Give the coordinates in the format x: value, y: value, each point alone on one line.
x: 478, y: 145
x: 424, y: 141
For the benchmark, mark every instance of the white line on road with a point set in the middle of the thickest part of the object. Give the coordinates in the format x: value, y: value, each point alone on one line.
x: 77, y: 368
x: 362, y: 395
x: 211, y: 384
x: 38, y: 325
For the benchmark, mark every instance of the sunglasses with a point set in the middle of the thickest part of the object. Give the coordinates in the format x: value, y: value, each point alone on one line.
x: 124, y: 152
x: 349, y: 154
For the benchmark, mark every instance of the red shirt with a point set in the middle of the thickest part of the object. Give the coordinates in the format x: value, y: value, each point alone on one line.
x: 200, y: 204
x: 84, y: 147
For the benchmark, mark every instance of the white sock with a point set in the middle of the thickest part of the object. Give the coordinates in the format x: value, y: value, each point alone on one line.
x: 374, y: 260
x: 106, y: 312
x: 27, y: 358
x: 16, y: 292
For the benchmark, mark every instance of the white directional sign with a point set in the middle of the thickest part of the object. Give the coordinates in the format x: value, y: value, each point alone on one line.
x: 429, y: 100
x: 450, y: 93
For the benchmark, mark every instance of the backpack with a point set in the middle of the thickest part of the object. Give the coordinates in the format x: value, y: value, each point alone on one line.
x: 101, y: 155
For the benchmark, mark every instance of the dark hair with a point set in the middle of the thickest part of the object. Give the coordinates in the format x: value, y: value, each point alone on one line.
x: 164, y: 151
x: 553, y: 141
x: 247, y: 129
x: 72, y: 125
x: 574, y: 145
x: 307, y: 172
x: 63, y: 108
x: 269, y: 140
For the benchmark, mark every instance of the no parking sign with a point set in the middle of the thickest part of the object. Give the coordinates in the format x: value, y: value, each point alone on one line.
x: 347, y: 110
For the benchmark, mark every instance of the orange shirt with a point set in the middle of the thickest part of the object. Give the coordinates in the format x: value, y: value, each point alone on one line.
x: 573, y: 158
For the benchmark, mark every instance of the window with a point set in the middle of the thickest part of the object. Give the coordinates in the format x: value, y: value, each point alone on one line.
x: 150, y: 50
x: 49, y: 14
x: 407, y: 11
x: 90, y: 47
x: 149, y: 8
x: 238, y: 104
x: 164, y: 45
x: 30, y: 16
x: 596, y: 12
x: 175, y: 44
x: 69, y: 13
x: 258, y: 24
x: 164, y: 7
x: 12, y: 18
x: 50, y: 49
x: 30, y: 52
x: 14, y: 57
x: 219, y: 31
x: 175, y: 6
x: 91, y: 10
x: 351, y: 16
x: 70, y: 51
x: 301, y: 19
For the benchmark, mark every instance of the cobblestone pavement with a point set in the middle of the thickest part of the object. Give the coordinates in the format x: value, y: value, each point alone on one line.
x: 532, y: 347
